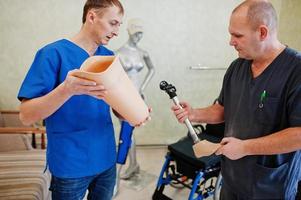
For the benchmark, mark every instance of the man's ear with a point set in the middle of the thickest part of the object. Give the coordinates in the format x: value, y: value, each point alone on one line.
x: 91, y: 15
x: 263, y: 32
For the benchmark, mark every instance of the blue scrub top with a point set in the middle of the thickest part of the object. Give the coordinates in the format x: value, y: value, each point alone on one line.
x: 80, y: 133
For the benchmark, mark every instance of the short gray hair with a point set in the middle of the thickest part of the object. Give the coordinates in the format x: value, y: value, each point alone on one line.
x: 260, y: 12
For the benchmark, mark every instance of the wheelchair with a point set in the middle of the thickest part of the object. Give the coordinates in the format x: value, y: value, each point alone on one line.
x: 182, y: 169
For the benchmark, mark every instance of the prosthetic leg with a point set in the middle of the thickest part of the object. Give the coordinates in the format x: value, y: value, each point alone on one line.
x: 133, y: 167
x: 125, y: 135
x: 126, y: 145
x: 125, y: 142
x: 200, y: 148
x: 185, y: 166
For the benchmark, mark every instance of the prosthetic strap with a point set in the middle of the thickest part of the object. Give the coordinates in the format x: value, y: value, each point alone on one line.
x: 125, y: 141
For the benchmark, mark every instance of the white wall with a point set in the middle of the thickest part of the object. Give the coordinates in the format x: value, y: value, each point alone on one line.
x: 178, y: 34
x: 290, y: 23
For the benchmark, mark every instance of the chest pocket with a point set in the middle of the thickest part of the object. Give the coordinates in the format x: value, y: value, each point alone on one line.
x: 268, y: 112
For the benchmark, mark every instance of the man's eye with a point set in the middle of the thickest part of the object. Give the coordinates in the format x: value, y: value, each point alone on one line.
x: 114, y: 23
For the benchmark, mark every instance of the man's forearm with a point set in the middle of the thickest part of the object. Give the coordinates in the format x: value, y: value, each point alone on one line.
x: 285, y: 141
x: 36, y: 109
x: 212, y: 115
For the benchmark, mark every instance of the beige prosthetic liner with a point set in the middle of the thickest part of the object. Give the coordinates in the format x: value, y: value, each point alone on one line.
x: 122, y: 95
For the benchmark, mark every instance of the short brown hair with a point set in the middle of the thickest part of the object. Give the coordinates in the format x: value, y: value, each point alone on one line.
x: 100, y: 4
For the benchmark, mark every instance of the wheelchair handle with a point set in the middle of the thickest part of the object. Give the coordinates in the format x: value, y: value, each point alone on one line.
x: 171, y: 91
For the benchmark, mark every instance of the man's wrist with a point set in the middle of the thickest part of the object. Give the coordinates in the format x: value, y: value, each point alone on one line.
x: 63, y: 90
x: 192, y: 115
x: 247, y: 146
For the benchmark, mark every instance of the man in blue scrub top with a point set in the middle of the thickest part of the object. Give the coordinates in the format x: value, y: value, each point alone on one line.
x: 81, y: 151
x: 260, y: 102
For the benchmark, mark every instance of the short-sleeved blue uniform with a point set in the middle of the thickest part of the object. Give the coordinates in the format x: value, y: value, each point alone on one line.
x: 80, y: 133
x: 256, y: 107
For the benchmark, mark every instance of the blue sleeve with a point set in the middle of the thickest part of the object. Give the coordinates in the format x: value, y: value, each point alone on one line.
x: 42, y: 75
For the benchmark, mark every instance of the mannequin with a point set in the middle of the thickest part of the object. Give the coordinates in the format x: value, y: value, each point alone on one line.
x: 133, y: 60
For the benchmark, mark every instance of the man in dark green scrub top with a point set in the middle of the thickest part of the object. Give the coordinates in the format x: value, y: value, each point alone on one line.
x: 260, y: 102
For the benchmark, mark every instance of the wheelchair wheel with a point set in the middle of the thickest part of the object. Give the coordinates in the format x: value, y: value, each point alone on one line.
x: 218, y: 186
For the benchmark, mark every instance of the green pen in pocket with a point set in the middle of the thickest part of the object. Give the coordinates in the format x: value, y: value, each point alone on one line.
x: 262, y: 98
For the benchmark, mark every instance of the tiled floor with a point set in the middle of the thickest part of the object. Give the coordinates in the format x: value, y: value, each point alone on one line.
x: 151, y: 160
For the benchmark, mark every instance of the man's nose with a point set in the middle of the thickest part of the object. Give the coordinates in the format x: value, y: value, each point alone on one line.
x: 116, y: 32
x: 232, y: 41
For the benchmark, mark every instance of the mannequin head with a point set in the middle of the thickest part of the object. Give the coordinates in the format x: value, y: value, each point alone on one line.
x: 136, y: 37
x: 135, y: 30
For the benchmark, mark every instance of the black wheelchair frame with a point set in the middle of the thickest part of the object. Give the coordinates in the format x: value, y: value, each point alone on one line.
x: 182, y: 169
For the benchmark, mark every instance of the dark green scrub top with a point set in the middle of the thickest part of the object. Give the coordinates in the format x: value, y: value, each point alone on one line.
x: 255, y: 107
